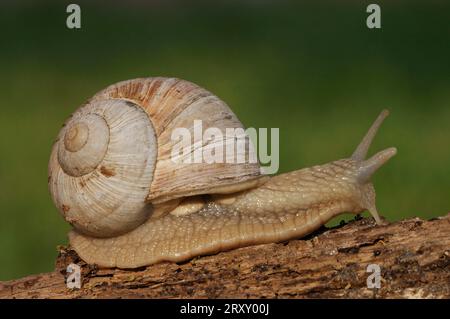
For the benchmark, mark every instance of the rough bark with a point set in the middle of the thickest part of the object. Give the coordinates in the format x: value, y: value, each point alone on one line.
x: 414, y: 256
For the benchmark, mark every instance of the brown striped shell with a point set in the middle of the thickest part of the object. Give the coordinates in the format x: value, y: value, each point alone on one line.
x: 112, y: 159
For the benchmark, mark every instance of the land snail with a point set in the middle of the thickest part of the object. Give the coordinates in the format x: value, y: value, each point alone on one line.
x: 111, y: 176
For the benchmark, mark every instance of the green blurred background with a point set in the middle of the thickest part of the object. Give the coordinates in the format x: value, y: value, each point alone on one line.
x: 312, y: 69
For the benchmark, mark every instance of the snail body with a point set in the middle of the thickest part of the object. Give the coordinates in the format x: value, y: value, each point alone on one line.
x: 112, y: 177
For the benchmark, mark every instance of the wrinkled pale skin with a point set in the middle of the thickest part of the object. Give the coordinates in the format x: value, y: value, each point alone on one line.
x: 286, y: 206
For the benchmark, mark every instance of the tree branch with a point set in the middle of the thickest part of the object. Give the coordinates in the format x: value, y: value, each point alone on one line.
x: 414, y: 256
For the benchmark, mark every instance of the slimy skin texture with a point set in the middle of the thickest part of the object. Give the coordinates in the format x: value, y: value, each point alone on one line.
x: 284, y: 207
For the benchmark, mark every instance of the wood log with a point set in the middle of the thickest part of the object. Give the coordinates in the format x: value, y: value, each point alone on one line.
x: 413, y: 256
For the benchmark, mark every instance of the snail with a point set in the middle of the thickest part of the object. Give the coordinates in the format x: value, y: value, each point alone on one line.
x: 111, y: 176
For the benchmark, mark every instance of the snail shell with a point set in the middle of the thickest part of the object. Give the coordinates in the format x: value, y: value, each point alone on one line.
x: 112, y: 159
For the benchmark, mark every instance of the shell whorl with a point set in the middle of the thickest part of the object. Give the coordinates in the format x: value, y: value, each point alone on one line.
x: 102, y: 168
x: 112, y: 159
x: 84, y: 146
x: 171, y: 103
